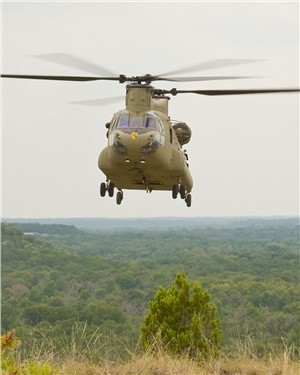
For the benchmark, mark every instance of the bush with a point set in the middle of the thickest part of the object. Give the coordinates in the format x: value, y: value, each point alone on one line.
x: 182, y: 323
x: 9, y: 364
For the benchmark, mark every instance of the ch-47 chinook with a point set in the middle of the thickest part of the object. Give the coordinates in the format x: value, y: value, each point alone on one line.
x: 145, y: 146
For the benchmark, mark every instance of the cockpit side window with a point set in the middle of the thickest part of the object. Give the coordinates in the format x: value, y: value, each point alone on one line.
x: 150, y: 122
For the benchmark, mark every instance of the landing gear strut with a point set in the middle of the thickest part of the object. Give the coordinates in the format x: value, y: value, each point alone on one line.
x: 109, y: 187
x: 180, y: 189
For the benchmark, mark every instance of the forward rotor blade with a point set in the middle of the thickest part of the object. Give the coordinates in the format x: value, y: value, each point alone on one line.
x: 191, y: 79
x: 232, y: 92
x: 213, y: 64
x: 99, y: 102
x: 68, y: 60
x: 60, y: 78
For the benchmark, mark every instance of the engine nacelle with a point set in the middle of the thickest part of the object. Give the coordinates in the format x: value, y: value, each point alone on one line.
x: 182, y: 131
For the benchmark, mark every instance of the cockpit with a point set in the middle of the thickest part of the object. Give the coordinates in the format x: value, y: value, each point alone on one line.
x: 142, y: 123
x: 127, y: 126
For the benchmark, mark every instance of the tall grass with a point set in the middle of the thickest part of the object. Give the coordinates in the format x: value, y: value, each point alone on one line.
x: 85, y: 353
x: 79, y: 346
x: 245, y: 359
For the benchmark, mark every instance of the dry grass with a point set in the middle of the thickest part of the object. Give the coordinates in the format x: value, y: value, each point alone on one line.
x: 273, y: 366
x: 162, y: 364
x: 243, y: 361
x: 83, y: 354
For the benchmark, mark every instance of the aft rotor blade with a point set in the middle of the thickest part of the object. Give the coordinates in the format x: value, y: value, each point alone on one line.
x: 60, y: 78
x: 100, y: 102
x: 213, y: 64
x: 232, y: 92
x: 72, y: 61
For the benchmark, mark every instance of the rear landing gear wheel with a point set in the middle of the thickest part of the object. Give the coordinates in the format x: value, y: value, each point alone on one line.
x: 110, y: 189
x: 119, y: 197
x: 182, y: 191
x: 102, y: 189
x: 188, y: 200
x: 175, y: 191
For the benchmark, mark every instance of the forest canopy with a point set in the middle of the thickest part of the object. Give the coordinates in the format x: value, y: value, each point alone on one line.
x: 56, y: 275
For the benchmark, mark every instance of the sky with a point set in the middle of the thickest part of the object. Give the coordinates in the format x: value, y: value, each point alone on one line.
x: 244, y: 151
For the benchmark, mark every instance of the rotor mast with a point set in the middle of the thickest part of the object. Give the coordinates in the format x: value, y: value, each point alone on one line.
x: 144, y: 98
x: 139, y: 98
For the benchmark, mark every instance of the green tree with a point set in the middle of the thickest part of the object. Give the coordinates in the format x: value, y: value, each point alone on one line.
x: 182, y: 322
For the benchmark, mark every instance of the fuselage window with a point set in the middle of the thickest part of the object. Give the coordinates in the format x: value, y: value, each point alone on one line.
x: 136, y: 122
x: 123, y: 121
x: 150, y: 123
x: 144, y: 123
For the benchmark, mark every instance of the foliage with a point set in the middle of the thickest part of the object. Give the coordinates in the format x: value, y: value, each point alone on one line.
x: 9, y: 364
x: 50, y: 281
x: 8, y: 344
x: 68, y: 362
x: 182, y: 323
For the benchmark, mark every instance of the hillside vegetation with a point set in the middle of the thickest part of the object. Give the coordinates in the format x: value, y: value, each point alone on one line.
x: 62, y: 277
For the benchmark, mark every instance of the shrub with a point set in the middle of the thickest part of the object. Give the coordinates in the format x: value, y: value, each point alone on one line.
x: 9, y: 365
x: 182, y: 322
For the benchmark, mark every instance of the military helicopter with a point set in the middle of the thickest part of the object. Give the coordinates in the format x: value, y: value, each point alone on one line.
x: 145, y: 146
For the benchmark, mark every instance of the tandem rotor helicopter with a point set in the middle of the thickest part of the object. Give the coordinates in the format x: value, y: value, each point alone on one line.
x: 145, y: 146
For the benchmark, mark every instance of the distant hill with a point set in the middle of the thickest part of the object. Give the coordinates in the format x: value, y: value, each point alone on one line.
x: 46, y: 229
x: 159, y: 223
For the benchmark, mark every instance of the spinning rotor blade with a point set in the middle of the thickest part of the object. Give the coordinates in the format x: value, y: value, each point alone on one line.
x: 121, y: 78
x: 74, y: 62
x: 100, y: 102
x: 100, y: 73
x: 229, y: 92
x: 68, y: 60
x: 192, y: 79
x: 214, y: 64
x: 60, y: 78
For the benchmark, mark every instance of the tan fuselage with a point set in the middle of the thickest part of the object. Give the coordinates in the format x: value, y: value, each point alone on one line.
x: 144, y: 158
x: 159, y: 170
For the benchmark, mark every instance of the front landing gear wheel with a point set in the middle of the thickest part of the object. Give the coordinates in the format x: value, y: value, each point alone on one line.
x: 119, y: 197
x: 102, y: 189
x: 188, y: 200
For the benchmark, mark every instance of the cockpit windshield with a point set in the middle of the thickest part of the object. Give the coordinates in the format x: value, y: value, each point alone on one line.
x: 123, y: 120
x: 141, y: 123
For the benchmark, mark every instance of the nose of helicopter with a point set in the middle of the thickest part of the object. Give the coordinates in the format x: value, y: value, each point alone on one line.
x: 135, y: 145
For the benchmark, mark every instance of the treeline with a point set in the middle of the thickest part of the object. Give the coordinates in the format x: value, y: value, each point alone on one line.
x: 164, y: 223
x: 50, y: 229
x: 107, y: 280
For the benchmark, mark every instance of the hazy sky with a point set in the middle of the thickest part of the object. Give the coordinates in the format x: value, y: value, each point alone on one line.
x: 244, y: 150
